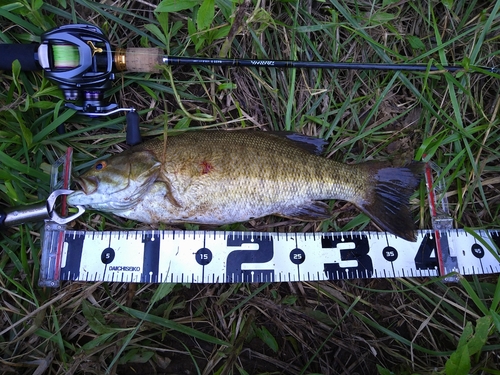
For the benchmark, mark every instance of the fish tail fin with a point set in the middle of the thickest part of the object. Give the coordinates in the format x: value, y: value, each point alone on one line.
x: 387, y: 200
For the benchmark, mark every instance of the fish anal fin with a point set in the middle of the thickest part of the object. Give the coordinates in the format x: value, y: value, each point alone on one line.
x: 387, y: 202
x: 314, y: 211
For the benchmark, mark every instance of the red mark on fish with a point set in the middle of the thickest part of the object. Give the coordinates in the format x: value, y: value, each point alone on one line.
x: 206, y: 167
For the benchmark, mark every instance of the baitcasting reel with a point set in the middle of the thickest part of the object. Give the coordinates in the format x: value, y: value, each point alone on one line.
x: 80, y: 60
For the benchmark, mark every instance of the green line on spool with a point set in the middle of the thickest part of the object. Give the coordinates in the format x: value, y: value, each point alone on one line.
x: 66, y: 56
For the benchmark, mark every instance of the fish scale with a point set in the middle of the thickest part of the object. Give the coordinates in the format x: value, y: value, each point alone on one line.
x: 250, y: 169
x: 222, y: 177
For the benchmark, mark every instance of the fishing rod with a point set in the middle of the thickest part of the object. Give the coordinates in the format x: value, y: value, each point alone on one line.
x: 81, y: 60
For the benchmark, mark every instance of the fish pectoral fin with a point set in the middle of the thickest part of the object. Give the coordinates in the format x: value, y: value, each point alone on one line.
x: 169, y: 195
x: 172, y: 199
x: 314, y: 211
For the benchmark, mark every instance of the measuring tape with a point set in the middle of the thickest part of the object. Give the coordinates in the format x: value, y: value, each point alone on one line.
x: 162, y: 256
x: 234, y: 257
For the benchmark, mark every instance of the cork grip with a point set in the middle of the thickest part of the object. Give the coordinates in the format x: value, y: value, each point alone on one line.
x: 144, y: 60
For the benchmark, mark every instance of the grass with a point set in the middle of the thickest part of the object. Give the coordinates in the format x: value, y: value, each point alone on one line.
x: 400, y: 326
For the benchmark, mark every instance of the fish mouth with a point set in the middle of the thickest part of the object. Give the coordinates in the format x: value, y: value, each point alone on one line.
x: 88, y: 185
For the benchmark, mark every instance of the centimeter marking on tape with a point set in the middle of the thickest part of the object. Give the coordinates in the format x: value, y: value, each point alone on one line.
x: 232, y: 257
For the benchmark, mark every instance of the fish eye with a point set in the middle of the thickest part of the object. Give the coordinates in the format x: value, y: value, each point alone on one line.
x: 100, y: 165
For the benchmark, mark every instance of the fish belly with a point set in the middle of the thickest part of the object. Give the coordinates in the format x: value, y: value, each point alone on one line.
x: 157, y: 207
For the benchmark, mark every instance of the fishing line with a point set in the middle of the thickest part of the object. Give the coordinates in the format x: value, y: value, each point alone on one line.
x: 66, y: 56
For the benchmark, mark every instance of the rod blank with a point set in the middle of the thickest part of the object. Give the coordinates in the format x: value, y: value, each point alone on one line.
x: 172, y: 60
x: 147, y: 60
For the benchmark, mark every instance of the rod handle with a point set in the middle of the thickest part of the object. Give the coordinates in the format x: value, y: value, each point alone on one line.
x: 143, y: 60
x: 3, y: 216
x: 25, y: 53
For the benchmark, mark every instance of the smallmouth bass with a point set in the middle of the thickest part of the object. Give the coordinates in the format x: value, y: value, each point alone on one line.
x: 222, y: 177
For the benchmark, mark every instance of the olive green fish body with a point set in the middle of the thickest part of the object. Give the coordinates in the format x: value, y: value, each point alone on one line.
x: 218, y: 177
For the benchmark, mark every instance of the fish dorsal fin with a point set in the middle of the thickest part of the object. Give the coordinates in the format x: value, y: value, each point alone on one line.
x: 305, y: 142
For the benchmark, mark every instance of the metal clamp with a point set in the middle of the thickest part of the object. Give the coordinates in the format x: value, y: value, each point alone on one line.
x: 51, y: 202
x: 38, y: 212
